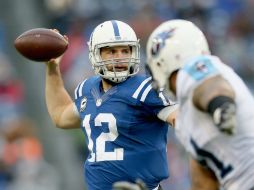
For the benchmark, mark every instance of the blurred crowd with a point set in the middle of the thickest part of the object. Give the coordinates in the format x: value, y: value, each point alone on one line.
x: 228, y: 24
x: 22, y: 163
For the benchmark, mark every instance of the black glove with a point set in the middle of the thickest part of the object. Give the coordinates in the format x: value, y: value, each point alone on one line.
x: 124, y: 185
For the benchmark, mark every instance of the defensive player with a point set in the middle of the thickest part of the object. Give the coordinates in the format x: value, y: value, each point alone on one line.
x: 216, y: 109
x: 122, y: 117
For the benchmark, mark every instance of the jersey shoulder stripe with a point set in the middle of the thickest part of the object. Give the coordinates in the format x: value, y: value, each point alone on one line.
x: 141, y: 87
x: 145, y: 93
x: 78, y: 90
x: 166, y: 101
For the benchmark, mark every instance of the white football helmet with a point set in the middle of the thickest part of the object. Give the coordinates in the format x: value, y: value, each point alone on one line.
x: 170, y: 45
x: 109, y: 34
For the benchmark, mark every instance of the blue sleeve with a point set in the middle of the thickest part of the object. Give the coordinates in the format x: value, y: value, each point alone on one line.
x: 153, y: 101
x: 145, y: 96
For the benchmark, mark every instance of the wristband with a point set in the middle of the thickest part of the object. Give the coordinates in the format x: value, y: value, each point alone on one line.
x: 218, y: 102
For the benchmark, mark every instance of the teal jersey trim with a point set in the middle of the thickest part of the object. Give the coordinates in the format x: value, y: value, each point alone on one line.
x: 200, y: 68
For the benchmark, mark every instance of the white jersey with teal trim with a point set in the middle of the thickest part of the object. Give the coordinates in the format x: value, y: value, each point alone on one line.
x: 231, y: 158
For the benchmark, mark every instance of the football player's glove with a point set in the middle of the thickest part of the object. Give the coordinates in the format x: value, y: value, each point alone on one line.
x: 223, y: 111
x: 124, y: 185
x: 224, y: 117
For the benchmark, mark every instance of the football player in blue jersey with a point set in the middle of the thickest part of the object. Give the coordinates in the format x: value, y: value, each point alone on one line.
x: 216, y: 109
x: 124, y: 120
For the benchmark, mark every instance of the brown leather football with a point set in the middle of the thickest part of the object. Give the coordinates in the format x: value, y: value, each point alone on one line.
x: 41, y: 44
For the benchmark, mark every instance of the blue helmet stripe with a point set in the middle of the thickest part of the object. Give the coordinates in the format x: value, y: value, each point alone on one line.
x: 116, y: 29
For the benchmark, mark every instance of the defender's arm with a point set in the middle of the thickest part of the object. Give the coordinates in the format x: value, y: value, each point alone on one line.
x: 202, y: 178
x: 216, y: 97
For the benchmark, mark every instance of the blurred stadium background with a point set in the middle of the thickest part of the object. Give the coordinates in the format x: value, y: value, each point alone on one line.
x: 34, y: 155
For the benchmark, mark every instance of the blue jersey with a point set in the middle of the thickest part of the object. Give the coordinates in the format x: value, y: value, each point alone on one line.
x: 125, y: 137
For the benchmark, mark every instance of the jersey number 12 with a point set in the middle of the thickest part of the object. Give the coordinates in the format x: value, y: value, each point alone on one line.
x: 100, y: 142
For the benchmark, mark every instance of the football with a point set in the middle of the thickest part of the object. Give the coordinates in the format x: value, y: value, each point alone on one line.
x: 41, y: 44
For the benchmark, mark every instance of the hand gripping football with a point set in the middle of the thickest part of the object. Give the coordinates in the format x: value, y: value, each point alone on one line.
x: 41, y: 44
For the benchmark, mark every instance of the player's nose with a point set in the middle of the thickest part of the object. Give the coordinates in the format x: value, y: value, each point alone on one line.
x: 118, y: 55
